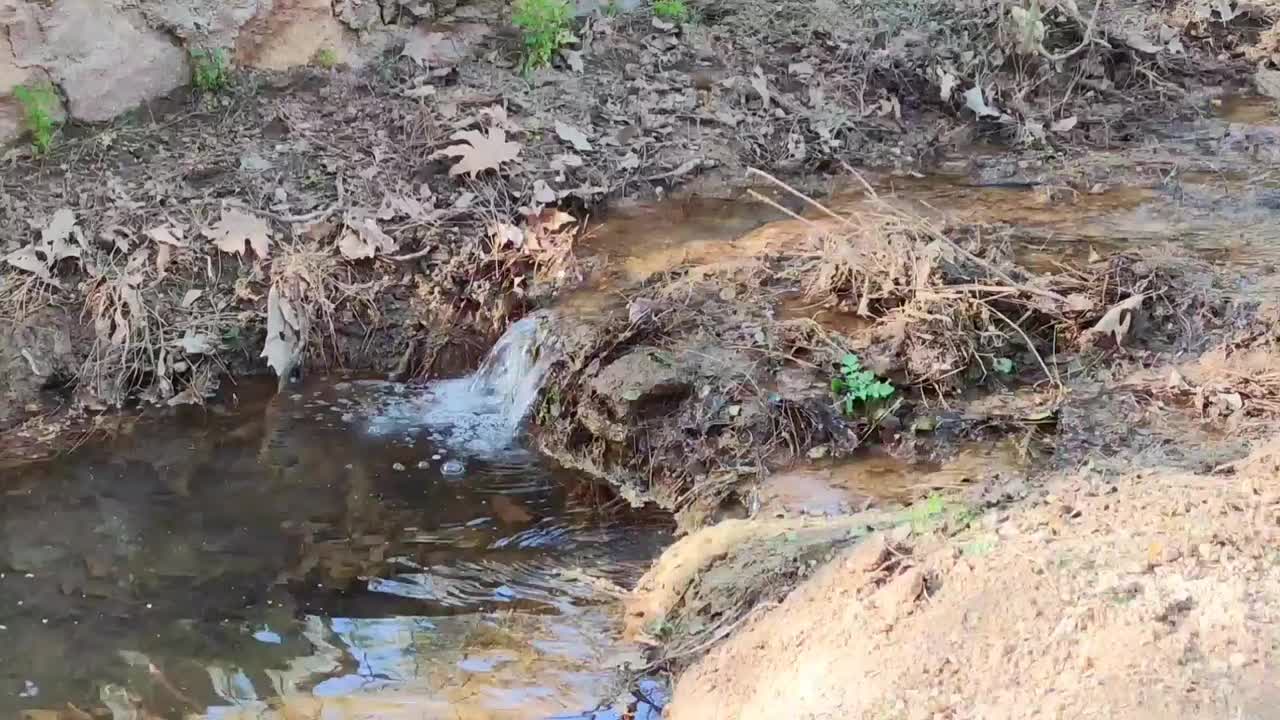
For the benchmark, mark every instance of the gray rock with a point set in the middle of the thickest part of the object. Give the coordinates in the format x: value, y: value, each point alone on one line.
x: 106, y: 59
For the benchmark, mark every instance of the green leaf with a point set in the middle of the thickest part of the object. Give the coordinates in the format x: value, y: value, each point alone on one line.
x: 1004, y: 366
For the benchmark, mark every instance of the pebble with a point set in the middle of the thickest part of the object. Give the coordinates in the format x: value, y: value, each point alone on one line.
x: 453, y: 467
x: 423, y: 464
x: 437, y: 456
x: 398, y: 467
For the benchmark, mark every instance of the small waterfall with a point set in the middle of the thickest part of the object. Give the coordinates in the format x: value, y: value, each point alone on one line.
x: 514, y: 370
x: 481, y: 414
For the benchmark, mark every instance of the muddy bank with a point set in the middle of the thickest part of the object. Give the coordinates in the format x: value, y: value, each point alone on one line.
x: 392, y: 240
x: 1127, y: 595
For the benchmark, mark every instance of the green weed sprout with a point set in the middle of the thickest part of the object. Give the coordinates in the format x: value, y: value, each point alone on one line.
x: 674, y: 11
x: 210, y: 70
x: 544, y: 25
x: 325, y: 58
x: 39, y: 105
x: 854, y: 385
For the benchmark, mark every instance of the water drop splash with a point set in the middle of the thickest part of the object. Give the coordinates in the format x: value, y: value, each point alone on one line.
x: 481, y: 414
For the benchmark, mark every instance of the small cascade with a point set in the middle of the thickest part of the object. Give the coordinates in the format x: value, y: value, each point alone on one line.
x: 481, y: 414
x: 514, y: 370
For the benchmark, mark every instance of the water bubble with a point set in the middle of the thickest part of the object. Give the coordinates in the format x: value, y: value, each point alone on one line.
x: 453, y: 467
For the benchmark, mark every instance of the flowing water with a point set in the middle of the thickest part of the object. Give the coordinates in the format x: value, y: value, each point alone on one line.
x: 345, y: 549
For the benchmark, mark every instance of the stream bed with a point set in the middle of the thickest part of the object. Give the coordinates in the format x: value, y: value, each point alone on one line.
x: 312, y: 553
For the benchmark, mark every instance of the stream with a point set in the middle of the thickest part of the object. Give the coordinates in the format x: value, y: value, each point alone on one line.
x: 360, y: 548
x: 324, y: 549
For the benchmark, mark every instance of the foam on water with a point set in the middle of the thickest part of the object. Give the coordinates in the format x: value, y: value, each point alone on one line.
x: 481, y: 414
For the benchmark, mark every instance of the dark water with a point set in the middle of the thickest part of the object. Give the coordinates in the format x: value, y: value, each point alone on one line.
x: 268, y: 558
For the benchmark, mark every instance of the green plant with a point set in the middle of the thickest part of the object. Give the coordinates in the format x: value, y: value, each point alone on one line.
x: 671, y: 10
x: 39, y: 106
x: 853, y: 385
x: 210, y: 70
x: 1002, y: 365
x: 544, y: 26
x: 611, y: 8
x: 326, y: 58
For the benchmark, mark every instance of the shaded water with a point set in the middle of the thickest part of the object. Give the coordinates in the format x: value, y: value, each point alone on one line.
x: 264, y: 557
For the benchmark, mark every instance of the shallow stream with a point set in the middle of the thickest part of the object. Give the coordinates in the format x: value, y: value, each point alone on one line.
x: 319, y: 550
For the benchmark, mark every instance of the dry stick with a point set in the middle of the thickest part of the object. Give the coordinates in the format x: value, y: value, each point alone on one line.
x: 1084, y: 42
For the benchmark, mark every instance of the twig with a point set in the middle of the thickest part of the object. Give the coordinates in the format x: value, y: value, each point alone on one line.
x: 1084, y: 42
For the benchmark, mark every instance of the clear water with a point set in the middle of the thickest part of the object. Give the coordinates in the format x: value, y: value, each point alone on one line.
x: 304, y: 555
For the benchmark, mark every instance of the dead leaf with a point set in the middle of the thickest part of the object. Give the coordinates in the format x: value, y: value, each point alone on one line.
x: 53, y: 239
x: 543, y: 193
x: 1115, y: 325
x: 362, y: 238
x: 420, y: 92
x: 477, y: 152
x: 1268, y: 83
x: 191, y: 296
x: 508, y: 234
x: 802, y: 69
x: 761, y: 86
x: 168, y: 235
x: 27, y: 259
x: 195, y: 344
x: 974, y: 100
x: 574, y: 60
x: 560, y: 162
x: 1064, y: 125
x: 236, y: 228
x: 162, y: 259
x: 443, y: 49
x: 946, y: 85
x: 573, y: 136
x: 283, y: 346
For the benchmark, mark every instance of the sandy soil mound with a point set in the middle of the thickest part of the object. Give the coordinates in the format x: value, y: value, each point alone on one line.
x: 1149, y: 596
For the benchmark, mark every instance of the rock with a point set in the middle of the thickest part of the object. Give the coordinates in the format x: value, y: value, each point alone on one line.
x: 105, y: 58
x: 210, y: 23
x: 1268, y: 83
x: 291, y: 32
x: 640, y: 383
x: 12, y: 124
x: 897, y: 597
x: 33, y: 353
x: 869, y: 555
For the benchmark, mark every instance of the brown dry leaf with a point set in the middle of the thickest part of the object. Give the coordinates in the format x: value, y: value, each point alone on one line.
x: 163, y: 255
x: 478, y: 152
x: 1115, y: 325
x: 27, y: 259
x: 443, y: 49
x: 573, y: 136
x: 168, y: 235
x: 362, y: 239
x: 191, y: 296
x: 283, y: 347
x: 236, y: 228
x: 574, y: 59
x: 543, y: 193
x: 761, y: 86
x: 53, y: 239
x: 1268, y: 83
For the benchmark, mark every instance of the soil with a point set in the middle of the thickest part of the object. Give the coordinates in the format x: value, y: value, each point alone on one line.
x: 1052, y: 230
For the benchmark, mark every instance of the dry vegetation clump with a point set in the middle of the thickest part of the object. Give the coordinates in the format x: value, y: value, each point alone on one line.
x: 701, y: 379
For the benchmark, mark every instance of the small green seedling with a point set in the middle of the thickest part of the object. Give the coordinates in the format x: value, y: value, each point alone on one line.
x: 544, y: 25
x: 210, y: 70
x: 1002, y: 365
x: 674, y: 11
x: 855, y: 386
x: 39, y: 107
x: 326, y: 58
